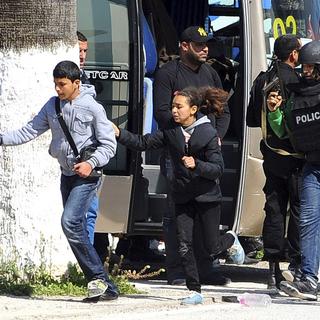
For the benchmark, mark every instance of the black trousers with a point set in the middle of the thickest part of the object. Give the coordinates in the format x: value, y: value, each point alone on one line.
x: 174, y: 268
x: 208, y: 214
x: 282, y: 193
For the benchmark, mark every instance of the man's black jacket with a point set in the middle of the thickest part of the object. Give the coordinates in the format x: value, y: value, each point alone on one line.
x: 175, y: 76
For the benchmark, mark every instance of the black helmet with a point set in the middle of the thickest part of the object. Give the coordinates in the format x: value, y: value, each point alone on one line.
x: 310, y: 53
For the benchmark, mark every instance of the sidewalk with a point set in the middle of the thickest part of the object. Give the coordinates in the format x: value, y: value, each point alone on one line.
x: 161, y: 301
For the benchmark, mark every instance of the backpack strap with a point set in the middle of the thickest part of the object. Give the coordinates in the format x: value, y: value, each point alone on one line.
x: 65, y: 128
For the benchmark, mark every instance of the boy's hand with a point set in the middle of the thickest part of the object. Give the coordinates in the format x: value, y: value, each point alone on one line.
x: 82, y: 169
x: 189, y: 162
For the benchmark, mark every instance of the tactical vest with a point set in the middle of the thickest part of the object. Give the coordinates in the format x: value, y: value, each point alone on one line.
x: 304, y: 122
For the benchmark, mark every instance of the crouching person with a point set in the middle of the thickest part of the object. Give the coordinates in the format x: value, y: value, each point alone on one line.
x: 197, y: 162
x: 87, y: 124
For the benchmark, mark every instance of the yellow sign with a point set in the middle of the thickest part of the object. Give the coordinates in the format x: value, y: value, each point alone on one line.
x: 278, y: 24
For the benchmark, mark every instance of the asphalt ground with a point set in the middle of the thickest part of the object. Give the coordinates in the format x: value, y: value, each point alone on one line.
x: 160, y: 301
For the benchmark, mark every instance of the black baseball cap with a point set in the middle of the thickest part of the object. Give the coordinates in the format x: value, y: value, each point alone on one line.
x: 194, y: 34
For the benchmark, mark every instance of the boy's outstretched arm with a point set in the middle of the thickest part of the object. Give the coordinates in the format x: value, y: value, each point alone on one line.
x: 34, y: 128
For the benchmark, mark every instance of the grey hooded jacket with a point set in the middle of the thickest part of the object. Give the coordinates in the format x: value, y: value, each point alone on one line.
x: 87, y: 123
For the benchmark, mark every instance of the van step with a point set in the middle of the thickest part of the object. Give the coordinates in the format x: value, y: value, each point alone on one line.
x: 148, y: 228
x: 157, y: 182
x: 231, y: 153
x: 158, y: 206
x: 152, y: 228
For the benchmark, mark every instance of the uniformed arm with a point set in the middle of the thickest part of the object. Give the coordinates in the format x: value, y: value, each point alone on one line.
x: 277, y: 123
x: 275, y: 115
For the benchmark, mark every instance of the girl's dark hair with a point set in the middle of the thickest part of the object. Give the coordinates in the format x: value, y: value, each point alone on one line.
x: 192, y: 94
x: 213, y: 100
x: 67, y: 69
x: 207, y: 99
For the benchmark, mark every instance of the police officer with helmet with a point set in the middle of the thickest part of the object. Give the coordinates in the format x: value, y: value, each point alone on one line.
x: 297, y: 119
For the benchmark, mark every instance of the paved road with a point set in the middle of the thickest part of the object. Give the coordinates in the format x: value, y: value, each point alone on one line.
x: 162, y: 302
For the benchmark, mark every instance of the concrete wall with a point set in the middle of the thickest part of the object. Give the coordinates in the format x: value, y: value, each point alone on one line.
x: 30, y: 201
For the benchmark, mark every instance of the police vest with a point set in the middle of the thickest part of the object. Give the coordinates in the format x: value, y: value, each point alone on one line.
x: 304, y: 121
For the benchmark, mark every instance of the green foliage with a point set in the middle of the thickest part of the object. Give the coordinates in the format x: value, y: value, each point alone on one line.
x: 259, y: 254
x: 33, y: 281
x: 37, y: 281
x: 124, y: 286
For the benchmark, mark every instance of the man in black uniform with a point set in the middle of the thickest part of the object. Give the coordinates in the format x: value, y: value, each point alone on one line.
x: 282, y: 171
x: 189, y: 70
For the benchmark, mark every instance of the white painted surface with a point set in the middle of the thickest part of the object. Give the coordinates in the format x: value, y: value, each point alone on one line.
x: 30, y: 200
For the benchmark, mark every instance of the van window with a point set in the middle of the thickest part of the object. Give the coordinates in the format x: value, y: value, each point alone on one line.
x: 297, y: 17
x: 106, y: 26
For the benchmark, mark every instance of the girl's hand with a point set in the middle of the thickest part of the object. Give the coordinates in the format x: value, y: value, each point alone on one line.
x: 116, y: 130
x: 189, y: 162
x: 274, y: 101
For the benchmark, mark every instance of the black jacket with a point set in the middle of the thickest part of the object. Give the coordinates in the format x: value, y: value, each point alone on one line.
x: 201, y: 183
x: 175, y: 76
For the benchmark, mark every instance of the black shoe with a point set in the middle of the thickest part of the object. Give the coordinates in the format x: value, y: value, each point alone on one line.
x: 303, y: 289
x: 215, y: 280
x: 274, y: 276
x: 177, y: 282
x: 108, y: 295
x: 292, y: 274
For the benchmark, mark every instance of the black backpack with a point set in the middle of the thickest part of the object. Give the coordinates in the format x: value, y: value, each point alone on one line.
x: 253, y: 118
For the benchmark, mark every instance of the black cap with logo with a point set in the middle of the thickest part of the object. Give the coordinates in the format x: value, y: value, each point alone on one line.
x: 194, y: 34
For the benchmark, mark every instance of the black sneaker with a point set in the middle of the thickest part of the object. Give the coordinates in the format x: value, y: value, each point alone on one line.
x: 215, y: 279
x: 302, y: 289
x: 292, y: 274
x: 109, y: 294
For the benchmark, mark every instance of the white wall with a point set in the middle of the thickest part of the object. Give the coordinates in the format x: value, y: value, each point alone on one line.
x: 30, y: 201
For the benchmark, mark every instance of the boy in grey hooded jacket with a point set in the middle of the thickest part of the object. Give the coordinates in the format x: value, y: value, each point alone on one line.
x: 88, y: 124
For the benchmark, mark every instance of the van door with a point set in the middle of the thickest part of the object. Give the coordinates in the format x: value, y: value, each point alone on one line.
x: 113, y: 67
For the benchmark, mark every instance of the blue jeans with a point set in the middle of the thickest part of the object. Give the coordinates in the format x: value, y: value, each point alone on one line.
x: 310, y: 220
x: 92, y: 217
x: 77, y: 194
